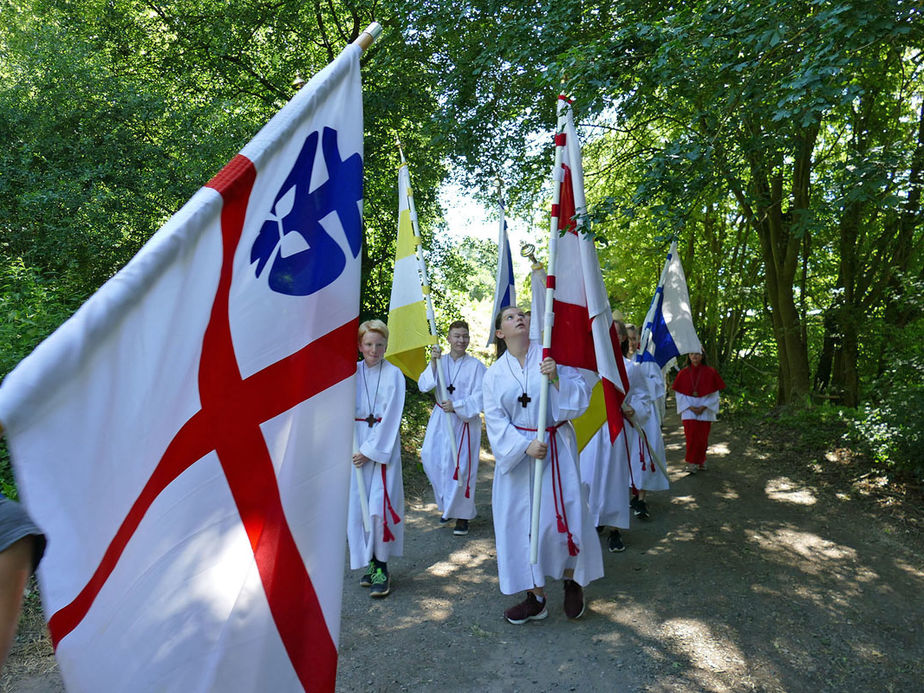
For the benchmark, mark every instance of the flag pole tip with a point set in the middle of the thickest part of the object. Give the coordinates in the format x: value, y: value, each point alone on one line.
x: 369, y: 35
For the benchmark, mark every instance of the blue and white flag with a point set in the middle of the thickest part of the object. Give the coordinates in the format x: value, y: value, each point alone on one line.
x: 504, y: 291
x: 183, y: 439
x: 668, y: 328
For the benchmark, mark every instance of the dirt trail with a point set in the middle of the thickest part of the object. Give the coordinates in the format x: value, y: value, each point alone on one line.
x: 744, y: 580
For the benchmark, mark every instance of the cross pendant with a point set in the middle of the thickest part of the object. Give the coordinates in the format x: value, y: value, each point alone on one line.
x: 451, y: 388
x: 370, y: 419
x: 524, y: 399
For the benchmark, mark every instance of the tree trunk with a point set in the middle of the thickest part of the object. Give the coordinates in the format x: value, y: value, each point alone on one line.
x: 845, y: 379
x: 781, y: 250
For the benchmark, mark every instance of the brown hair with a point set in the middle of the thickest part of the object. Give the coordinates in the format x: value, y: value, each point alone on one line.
x: 623, y: 333
x: 500, y: 346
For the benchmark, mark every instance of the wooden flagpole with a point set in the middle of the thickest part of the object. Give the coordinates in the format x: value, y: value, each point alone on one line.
x: 364, y: 40
x: 549, y: 319
x: 431, y: 316
x: 368, y: 36
x: 361, y: 488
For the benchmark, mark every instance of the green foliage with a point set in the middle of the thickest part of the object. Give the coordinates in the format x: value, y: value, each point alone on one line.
x: 30, y: 309
x: 780, y: 143
x: 892, y: 430
x: 890, y: 425
x: 820, y: 427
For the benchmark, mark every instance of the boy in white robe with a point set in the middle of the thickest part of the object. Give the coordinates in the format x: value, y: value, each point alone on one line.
x: 644, y: 440
x: 568, y: 547
x: 605, y: 476
x: 377, y: 457
x: 451, y: 463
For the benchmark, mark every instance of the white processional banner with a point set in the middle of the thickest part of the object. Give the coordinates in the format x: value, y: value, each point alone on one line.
x: 668, y: 330
x: 183, y: 439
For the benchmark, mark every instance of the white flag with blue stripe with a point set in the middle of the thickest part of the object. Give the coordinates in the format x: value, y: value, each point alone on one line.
x: 504, y: 291
x: 668, y: 328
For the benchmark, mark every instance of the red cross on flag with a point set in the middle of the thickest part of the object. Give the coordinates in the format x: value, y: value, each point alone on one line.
x: 583, y: 334
x: 184, y: 439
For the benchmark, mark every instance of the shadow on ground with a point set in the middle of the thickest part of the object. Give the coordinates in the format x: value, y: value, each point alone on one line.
x: 744, y: 579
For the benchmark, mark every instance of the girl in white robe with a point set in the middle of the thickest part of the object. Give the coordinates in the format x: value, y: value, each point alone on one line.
x: 377, y: 456
x: 568, y: 547
x: 451, y: 464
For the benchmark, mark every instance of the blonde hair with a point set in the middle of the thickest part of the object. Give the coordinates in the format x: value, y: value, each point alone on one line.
x: 372, y: 326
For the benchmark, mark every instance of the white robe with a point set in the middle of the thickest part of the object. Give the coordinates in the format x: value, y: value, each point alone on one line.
x: 382, y: 444
x: 442, y: 461
x: 605, y: 475
x: 710, y: 401
x: 513, y: 474
x: 656, y: 386
x: 644, y: 473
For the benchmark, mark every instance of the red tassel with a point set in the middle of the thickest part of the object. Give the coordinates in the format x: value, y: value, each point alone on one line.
x: 455, y: 474
x: 467, y: 493
x: 561, y: 527
x: 394, y: 516
x: 573, y: 550
x: 386, y: 533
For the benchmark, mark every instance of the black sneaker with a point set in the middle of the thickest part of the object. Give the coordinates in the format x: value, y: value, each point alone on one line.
x: 461, y: 528
x: 633, y: 503
x: 528, y: 610
x: 614, y: 542
x: 574, y: 600
x: 641, y: 511
x: 366, y: 579
x: 444, y: 520
x: 600, y: 529
x: 381, y: 585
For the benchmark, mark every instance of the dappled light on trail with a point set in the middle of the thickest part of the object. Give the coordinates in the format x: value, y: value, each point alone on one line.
x: 458, y: 562
x: 813, y: 551
x: 708, y: 650
x: 747, y: 577
x: 786, y: 490
x: 688, y: 501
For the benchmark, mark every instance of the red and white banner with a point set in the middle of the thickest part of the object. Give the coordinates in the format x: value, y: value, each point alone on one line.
x: 583, y: 334
x: 183, y: 440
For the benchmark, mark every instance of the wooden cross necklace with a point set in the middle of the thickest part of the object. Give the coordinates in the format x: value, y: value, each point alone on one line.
x: 371, y: 418
x: 523, y: 399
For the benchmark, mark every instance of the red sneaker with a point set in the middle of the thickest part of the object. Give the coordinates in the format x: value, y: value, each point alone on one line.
x: 574, y: 600
x: 528, y: 610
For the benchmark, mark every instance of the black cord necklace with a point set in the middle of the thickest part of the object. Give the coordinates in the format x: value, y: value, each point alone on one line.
x: 523, y: 399
x: 452, y: 388
x: 371, y: 418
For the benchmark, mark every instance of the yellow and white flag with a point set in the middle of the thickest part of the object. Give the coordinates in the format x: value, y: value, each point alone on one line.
x: 408, y: 328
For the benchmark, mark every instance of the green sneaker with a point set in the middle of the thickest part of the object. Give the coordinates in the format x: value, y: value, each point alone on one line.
x: 366, y: 579
x: 380, y: 584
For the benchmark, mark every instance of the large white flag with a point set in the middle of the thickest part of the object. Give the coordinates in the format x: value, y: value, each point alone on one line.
x: 583, y: 334
x: 668, y: 328
x: 184, y: 438
x: 504, y: 285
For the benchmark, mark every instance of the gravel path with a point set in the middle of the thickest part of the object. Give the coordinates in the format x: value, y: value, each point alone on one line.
x: 746, y: 578
x: 743, y: 580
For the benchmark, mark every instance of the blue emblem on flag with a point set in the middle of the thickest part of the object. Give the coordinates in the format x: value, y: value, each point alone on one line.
x: 308, y: 257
